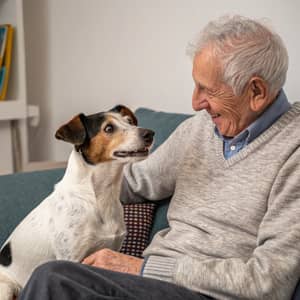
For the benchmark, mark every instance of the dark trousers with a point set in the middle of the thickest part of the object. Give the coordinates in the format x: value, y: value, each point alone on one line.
x: 61, y: 280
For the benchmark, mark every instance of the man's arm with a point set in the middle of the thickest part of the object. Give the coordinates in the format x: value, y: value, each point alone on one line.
x: 273, y: 269
x: 154, y: 178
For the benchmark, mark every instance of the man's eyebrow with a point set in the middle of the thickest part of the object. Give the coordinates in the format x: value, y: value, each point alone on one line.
x: 202, y: 86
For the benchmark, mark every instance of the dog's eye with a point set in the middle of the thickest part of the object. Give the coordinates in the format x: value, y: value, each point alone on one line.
x: 109, y: 128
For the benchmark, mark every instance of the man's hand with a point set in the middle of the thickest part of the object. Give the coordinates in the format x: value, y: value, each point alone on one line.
x: 114, y: 261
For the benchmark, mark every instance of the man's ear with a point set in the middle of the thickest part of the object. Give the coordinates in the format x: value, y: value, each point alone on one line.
x: 73, y: 132
x: 259, y: 94
x: 125, y: 111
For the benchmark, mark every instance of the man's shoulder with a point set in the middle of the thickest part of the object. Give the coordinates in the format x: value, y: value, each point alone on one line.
x: 292, y: 117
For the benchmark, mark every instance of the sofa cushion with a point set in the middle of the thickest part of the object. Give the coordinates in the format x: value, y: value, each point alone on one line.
x: 138, y: 219
x: 20, y: 193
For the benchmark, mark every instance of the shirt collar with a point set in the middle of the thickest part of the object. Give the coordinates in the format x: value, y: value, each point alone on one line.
x: 268, y: 117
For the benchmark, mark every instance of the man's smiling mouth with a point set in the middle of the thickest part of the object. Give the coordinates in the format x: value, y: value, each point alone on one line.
x: 214, y: 116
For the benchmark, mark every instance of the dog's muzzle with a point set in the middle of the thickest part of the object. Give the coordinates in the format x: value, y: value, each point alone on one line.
x: 147, y: 137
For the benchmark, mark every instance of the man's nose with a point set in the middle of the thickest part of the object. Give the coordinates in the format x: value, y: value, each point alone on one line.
x: 199, y: 99
x: 203, y: 105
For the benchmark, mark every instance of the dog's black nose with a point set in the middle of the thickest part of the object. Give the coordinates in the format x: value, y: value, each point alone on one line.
x: 147, y: 135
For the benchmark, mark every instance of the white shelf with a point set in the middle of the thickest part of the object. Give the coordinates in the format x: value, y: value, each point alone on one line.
x: 17, y: 110
x: 12, y: 110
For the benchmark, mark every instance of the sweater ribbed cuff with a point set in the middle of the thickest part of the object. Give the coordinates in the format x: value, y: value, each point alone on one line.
x: 159, y: 267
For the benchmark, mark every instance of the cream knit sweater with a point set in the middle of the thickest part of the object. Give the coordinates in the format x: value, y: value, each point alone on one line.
x: 234, y: 224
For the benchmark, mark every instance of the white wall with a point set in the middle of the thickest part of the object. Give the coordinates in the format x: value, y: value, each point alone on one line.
x: 86, y: 56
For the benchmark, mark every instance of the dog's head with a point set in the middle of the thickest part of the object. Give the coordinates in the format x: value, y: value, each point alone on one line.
x: 105, y: 136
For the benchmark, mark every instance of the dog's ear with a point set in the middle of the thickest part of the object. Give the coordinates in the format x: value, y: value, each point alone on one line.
x: 74, y: 131
x: 125, y: 111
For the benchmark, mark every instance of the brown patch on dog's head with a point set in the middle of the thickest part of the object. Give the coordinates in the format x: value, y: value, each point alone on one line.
x: 72, y: 132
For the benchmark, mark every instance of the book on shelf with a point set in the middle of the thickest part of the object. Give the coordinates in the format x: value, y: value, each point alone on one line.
x: 3, y: 38
x: 6, y: 43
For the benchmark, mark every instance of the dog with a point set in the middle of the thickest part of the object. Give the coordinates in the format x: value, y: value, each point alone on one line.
x: 84, y: 212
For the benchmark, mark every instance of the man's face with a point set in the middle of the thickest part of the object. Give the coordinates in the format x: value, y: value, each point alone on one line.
x: 230, y: 113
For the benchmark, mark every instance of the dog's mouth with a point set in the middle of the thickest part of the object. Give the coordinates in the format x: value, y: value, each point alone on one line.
x: 135, y: 153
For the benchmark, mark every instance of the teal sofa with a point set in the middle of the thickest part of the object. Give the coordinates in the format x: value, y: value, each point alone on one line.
x: 21, y: 192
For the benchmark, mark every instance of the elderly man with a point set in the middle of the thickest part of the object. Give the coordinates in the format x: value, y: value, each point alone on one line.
x: 233, y: 170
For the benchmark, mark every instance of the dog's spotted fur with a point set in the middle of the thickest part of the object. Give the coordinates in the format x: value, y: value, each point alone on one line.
x: 5, y: 255
x: 83, y: 213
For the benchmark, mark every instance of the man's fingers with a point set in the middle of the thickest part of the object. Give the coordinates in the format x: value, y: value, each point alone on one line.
x: 89, y: 260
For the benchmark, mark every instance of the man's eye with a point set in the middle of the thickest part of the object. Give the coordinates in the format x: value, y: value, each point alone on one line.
x: 109, y: 128
x: 213, y: 93
x: 208, y: 91
x: 201, y: 87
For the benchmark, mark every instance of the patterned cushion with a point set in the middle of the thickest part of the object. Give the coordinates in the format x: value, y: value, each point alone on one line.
x: 138, y: 220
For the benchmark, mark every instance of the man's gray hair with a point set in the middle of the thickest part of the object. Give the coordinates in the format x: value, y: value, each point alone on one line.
x: 245, y: 48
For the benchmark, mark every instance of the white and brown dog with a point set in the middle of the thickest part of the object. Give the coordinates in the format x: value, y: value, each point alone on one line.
x: 84, y: 213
